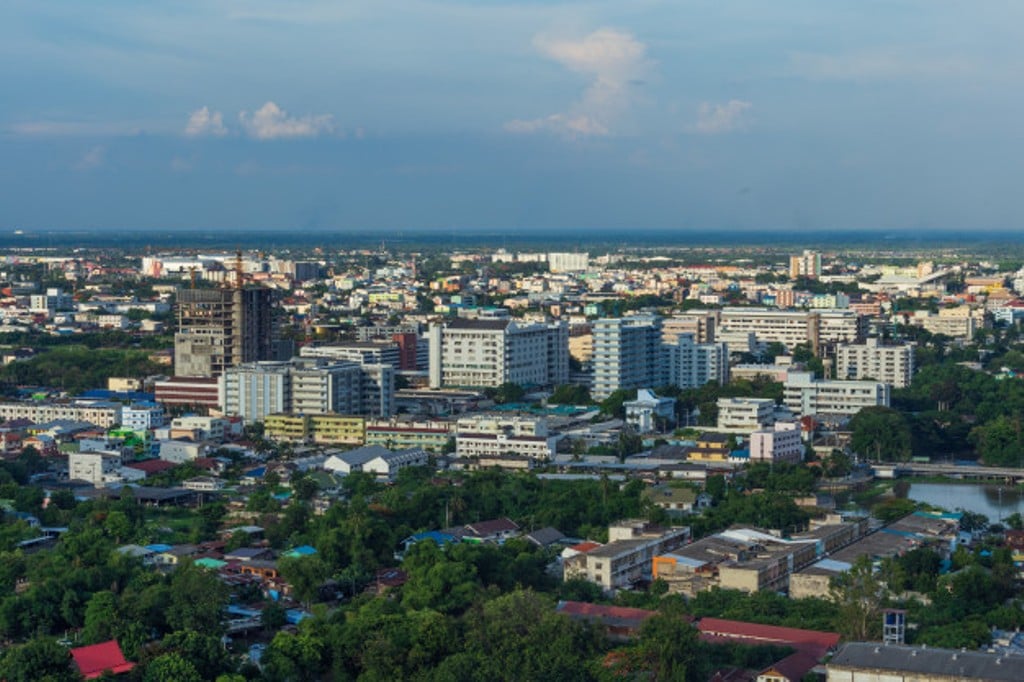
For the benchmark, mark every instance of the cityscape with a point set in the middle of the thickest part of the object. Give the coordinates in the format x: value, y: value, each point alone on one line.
x: 683, y: 462
x: 525, y: 340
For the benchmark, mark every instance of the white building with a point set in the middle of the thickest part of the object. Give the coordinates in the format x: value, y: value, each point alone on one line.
x: 308, y: 386
x: 627, y: 354
x: 805, y: 395
x: 491, y: 352
x: 960, y: 322
x: 491, y: 445
x: 644, y: 413
x: 375, y: 459
x: 181, y: 451
x: 568, y: 262
x: 743, y: 415
x: 807, y: 264
x: 209, y: 428
x: 143, y: 417
x: 794, y: 327
x: 97, y: 468
x: 101, y: 413
x: 890, y: 364
x: 691, y: 364
x: 513, y: 425
x: 782, y: 443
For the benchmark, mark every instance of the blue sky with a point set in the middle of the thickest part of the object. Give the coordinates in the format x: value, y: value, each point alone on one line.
x: 449, y: 114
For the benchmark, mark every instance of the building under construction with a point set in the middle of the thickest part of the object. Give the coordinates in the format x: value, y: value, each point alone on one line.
x: 221, y: 328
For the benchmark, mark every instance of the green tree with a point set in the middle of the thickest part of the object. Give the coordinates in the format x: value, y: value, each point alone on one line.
x: 858, y: 594
x: 198, y: 600
x: 171, y: 667
x: 881, y: 434
x: 41, y: 658
x: 669, y: 645
x: 305, y: 574
x: 101, y: 618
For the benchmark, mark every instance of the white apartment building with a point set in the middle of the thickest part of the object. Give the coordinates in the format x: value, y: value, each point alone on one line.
x: 143, y: 417
x: 781, y: 443
x: 491, y: 352
x: 308, y: 386
x: 627, y: 354
x: 209, y: 428
x: 805, y: 395
x: 509, y: 425
x: 743, y: 415
x: 366, y: 352
x: 890, y: 364
x: 691, y: 364
x: 181, y: 451
x: 794, y: 327
x: 95, y: 467
x: 568, y: 262
x: 491, y: 445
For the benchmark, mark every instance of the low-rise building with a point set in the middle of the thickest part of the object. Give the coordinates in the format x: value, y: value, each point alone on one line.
x: 650, y: 412
x: 491, y: 445
x: 743, y: 415
x: 97, y: 468
x: 805, y: 395
x: 870, y: 661
x: 626, y: 559
x: 782, y: 443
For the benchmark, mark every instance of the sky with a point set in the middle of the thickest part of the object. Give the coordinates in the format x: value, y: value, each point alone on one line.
x: 511, y: 115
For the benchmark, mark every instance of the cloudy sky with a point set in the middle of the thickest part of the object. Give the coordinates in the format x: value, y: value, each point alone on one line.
x: 385, y: 115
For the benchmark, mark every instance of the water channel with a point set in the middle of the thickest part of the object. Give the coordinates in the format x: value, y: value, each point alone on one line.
x: 994, y: 501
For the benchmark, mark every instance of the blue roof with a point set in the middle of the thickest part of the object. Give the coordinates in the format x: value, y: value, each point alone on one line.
x: 303, y: 550
x: 740, y: 454
x: 258, y: 472
x: 435, y: 535
x: 159, y: 547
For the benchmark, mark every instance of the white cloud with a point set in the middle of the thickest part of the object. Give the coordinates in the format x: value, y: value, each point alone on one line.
x: 880, y: 64
x: 92, y: 159
x: 572, y: 126
x: 202, y: 122
x: 713, y: 119
x: 271, y: 122
x: 613, y: 60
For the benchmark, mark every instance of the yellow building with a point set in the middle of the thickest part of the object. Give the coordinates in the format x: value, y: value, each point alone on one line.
x: 286, y: 427
x: 337, y: 429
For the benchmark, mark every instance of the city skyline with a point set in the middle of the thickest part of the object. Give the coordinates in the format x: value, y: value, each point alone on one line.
x: 449, y: 115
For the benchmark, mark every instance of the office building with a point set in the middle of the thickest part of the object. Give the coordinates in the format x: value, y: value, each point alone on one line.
x: 795, y: 327
x: 890, y: 364
x: 491, y: 352
x: 627, y: 355
x: 743, y: 415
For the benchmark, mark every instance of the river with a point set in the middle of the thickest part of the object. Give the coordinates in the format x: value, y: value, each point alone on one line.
x: 995, y: 502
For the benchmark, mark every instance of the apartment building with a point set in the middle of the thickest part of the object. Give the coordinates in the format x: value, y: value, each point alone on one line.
x: 891, y: 364
x: 491, y: 352
x: 95, y: 467
x: 701, y: 326
x: 101, y: 413
x: 795, y: 327
x: 399, y: 434
x: 960, y: 322
x: 807, y: 264
x: 691, y: 364
x: 143, y: 417
x: 804, y: 395
x: 308, y: 386
x: 497, y: 444
x: 781, y: 443
x: 743, y: 415
x: 627, y: 354
x: 626, y: 559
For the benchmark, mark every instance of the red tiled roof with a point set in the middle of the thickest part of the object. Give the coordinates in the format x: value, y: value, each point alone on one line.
x: 152, y: 466
x: 581, y: 609
x: 586, y: 546
x: 810, y: 641
x: 93, y: 661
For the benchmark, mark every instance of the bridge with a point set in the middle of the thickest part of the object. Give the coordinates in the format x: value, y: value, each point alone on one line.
x: 1014, y: 474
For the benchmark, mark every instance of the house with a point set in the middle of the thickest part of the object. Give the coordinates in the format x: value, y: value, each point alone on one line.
x: 249, y: 554
x: 813, y: 642
x: 439, y: 538
x: 792, y: 668
x: 496, y: 531
x: 545, y: 537
x: 376, y: 459
x: 96, y: 660
x: 676, y: 500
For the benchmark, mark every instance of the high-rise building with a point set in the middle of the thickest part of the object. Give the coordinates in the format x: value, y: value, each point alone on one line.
x: 308, y: 386
x: 691, y: 364
x: 221, y: 328
x: 807, y: 264
x: 491, y: 352
x: 627, y: 354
